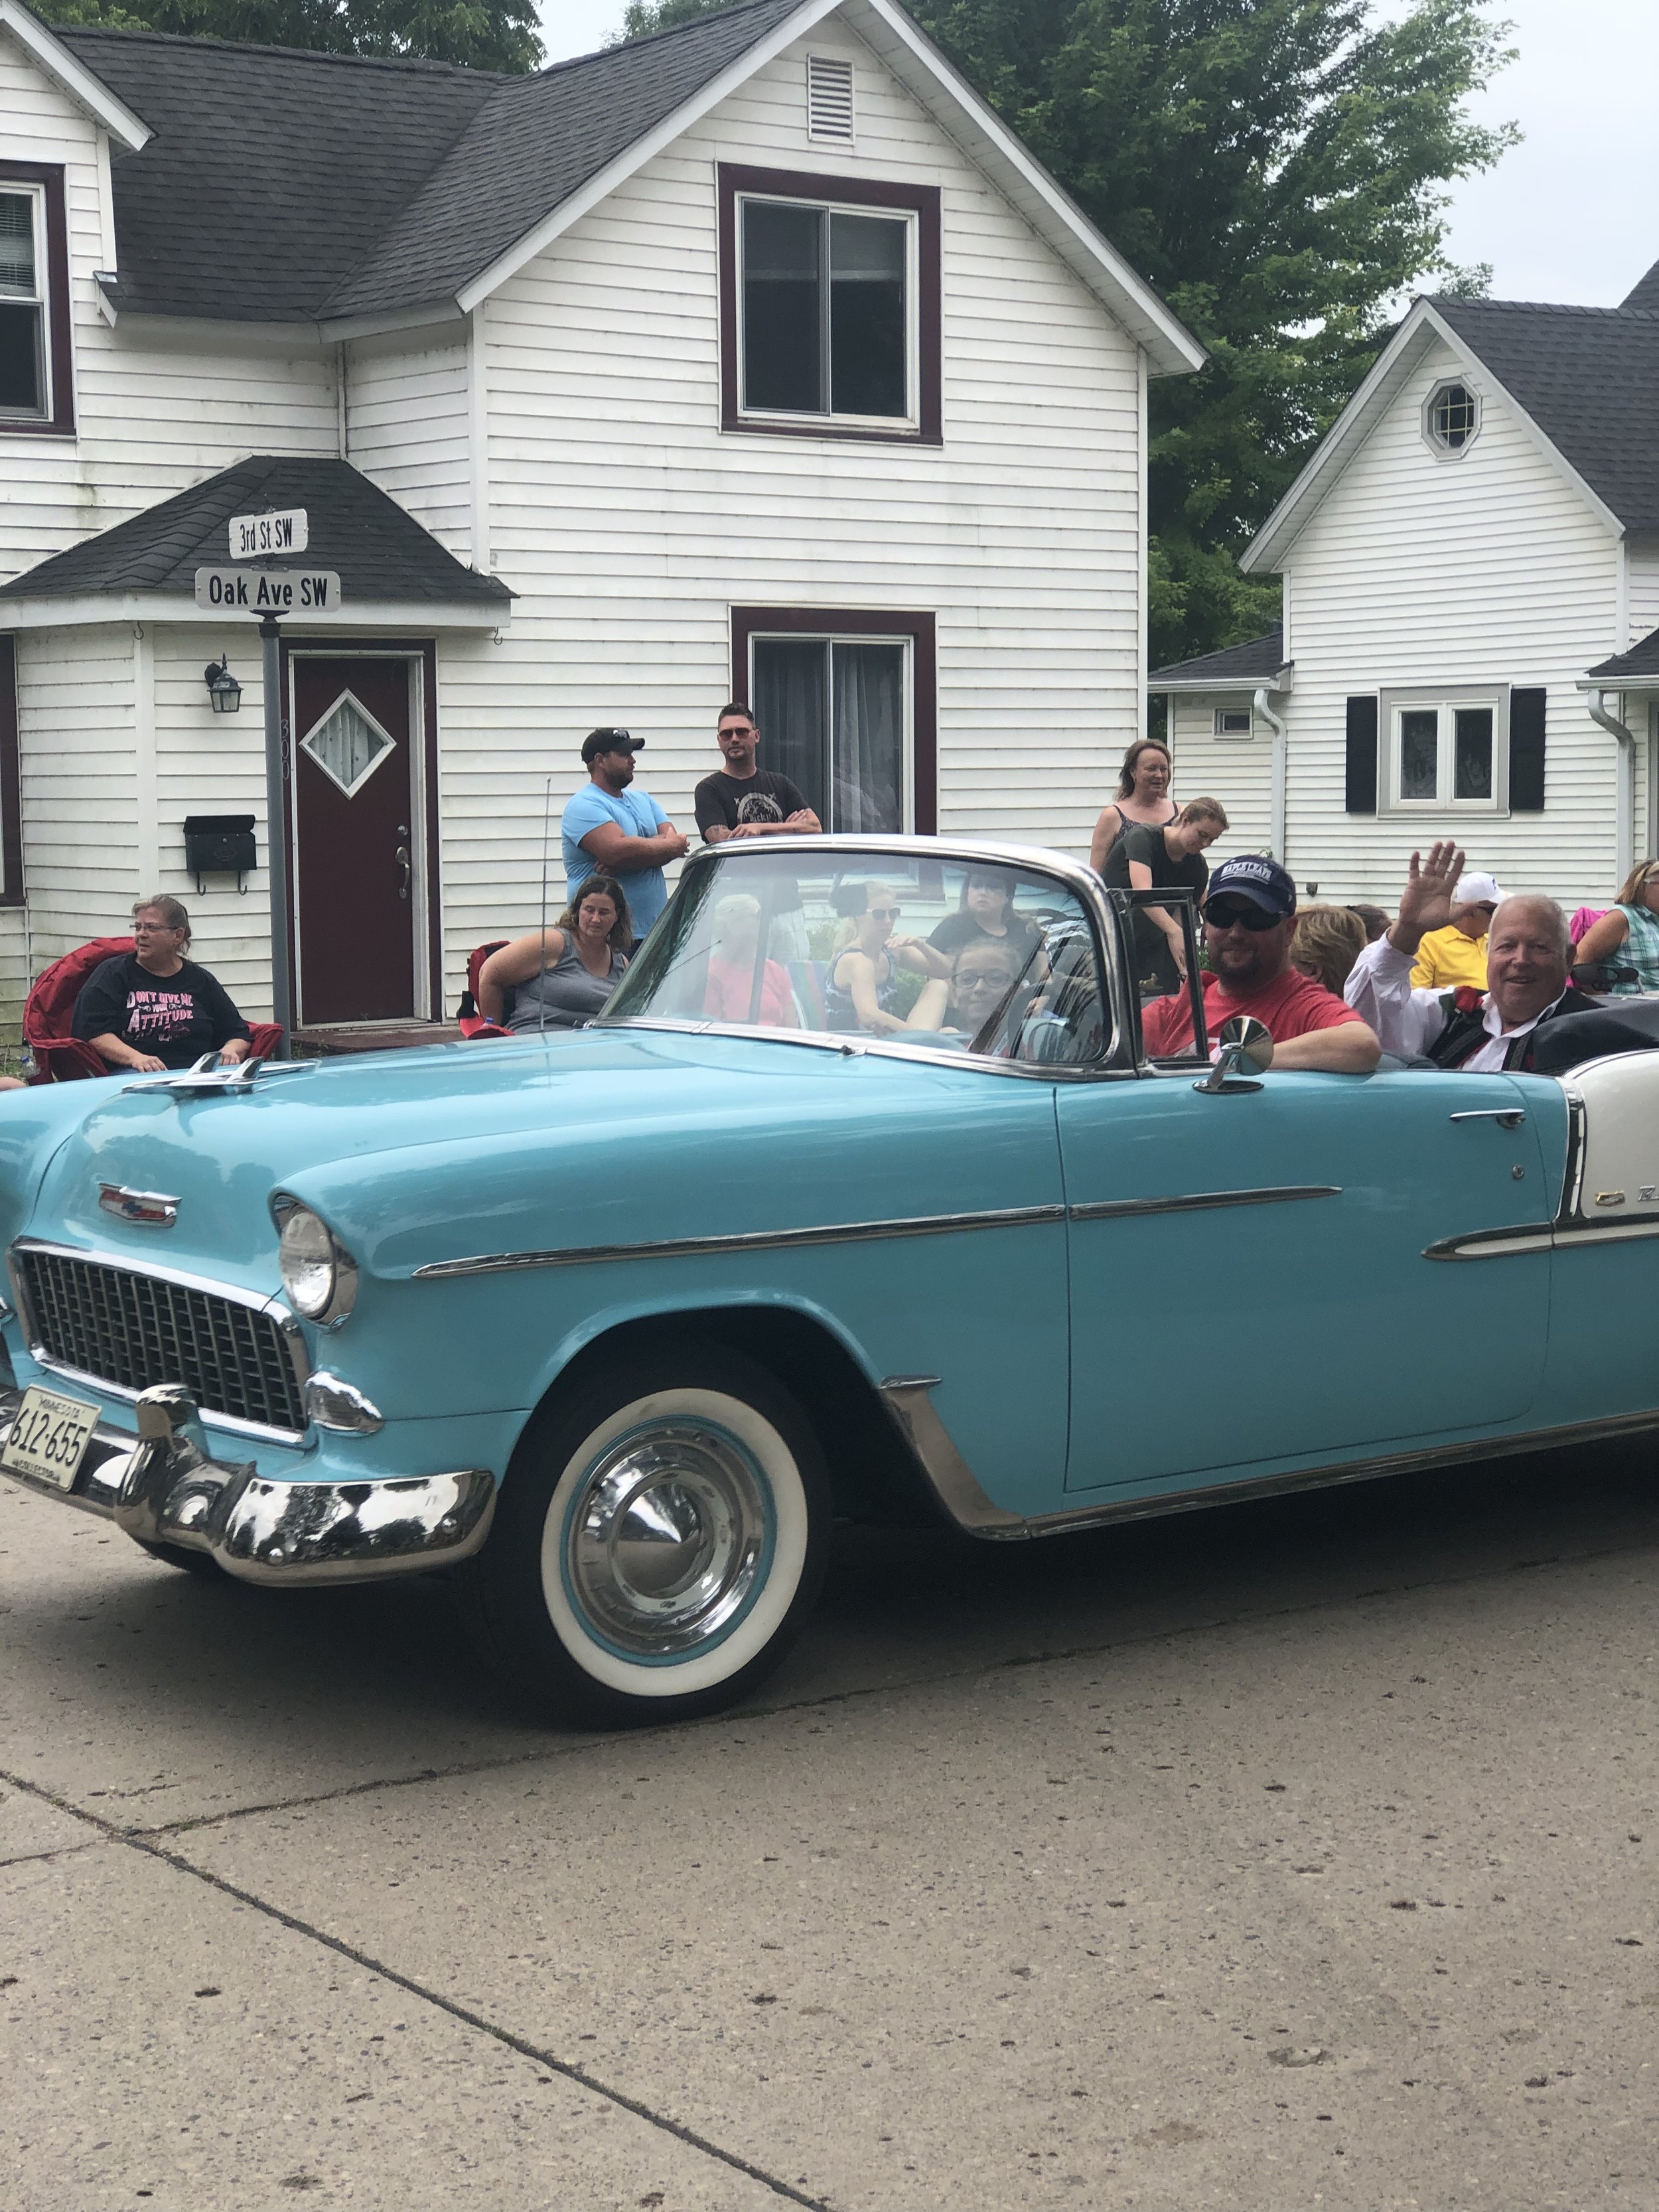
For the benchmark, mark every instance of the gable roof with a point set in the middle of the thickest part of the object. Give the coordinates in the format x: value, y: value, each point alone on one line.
x: 382, y: 553
x: 375, y: 189
x: 1258, y: 660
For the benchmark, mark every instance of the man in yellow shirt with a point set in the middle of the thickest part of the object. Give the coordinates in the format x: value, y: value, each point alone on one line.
x: 1457, y: 954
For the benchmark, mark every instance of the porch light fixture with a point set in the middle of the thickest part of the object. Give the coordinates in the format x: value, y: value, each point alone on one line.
x: 223, y: 690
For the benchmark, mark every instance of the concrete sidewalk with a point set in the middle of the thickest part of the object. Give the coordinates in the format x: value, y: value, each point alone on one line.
x: 1299, y: 1855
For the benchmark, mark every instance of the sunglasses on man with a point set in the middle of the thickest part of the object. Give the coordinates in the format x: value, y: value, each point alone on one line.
x: 1220, y: 915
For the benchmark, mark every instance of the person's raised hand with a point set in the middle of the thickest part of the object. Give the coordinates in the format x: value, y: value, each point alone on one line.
x: 1426, y: 902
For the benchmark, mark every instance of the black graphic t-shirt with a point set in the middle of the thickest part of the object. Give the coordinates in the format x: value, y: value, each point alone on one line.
x: 175, y: 1018
x: 717, y: 800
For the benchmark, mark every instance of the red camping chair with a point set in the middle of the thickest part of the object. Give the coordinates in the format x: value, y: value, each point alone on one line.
x: 472, y: 1023
x: 50, y: 1010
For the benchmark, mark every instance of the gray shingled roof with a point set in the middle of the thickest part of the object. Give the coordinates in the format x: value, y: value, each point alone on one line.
x: 1253, y: 662
x: 1644, y: 293
x: 1642, y: 659
x: 284, y: 187
x: 1588, y: 377
x: 379, y: 552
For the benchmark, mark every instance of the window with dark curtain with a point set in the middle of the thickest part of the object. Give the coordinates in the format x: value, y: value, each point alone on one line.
x: 791, y: 704
x: 832, y: 716
x: 825, y: 327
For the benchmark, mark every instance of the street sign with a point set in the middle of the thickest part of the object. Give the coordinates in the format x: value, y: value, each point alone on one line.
x: 267, y: 591
x: 256, y: 536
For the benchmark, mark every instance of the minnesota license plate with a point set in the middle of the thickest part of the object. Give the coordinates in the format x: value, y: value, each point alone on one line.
x: 49, y: 1437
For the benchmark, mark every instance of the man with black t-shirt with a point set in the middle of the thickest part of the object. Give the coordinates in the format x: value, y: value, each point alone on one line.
x: 742, y: 801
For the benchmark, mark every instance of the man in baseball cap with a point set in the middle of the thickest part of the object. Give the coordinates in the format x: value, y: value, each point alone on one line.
x: 1457, y: 954
x: 1249, y: 919
x: 612, y: 827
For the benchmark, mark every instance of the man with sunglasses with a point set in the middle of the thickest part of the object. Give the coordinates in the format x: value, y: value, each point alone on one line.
x: 612, y: 827
x: 1249, y: 919
x: 742, y: 799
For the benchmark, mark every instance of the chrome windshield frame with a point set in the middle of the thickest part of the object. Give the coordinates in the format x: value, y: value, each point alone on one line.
x: 1106, y: 912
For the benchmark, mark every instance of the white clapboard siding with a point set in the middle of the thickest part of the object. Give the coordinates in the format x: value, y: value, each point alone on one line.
x: 1420, y: 570
x: 151, y: 418
x: 1238, y: 771
x: 77, y: 761
x: 630, y: 526
x: 407, y: 427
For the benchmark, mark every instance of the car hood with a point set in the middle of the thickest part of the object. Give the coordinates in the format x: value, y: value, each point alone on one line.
x: 417, y: 1156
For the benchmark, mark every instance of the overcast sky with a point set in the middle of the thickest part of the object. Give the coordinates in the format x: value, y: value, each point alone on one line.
x: 1569, y: 215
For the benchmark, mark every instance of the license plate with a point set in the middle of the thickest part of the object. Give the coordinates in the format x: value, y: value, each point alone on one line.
x: 49, y: 1437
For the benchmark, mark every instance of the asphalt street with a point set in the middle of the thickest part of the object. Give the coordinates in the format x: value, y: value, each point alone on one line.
x: 1297, y: 1855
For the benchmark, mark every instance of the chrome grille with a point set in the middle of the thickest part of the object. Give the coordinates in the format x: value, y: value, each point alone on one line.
x: 134, y: 1330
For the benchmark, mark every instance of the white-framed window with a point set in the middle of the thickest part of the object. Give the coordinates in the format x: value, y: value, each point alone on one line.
x: 830, y: 99
x: 835, y: 715
x: 1451, y: 416
x: 1445, y: 752
x: 25, y: 353
x: 827, y: 323
x: 1234, y: 722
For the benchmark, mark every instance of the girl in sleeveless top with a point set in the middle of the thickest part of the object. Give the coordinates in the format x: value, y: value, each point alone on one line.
x: 1143, y: 795
x: 1629, y: 935
x: 861, y: 982
x: 565, y: 977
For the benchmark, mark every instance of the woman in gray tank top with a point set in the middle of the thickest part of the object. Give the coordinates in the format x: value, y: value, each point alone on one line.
x: 556, y: 979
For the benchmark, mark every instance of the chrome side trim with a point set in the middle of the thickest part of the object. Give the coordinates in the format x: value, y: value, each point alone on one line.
x: 1507, y: 1117
x: 162, y: 1488
x: 906, y: 1398
x: 1572, y: 1178
x: 1114, y: 1209
x: 753, y: 1240
x: 1541, y: 1237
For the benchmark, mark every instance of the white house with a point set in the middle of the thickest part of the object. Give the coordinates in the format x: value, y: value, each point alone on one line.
x: 756, y: 357
x: 1468, y: 561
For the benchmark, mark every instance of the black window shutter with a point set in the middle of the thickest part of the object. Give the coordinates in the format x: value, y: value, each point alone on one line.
x: 1527, y: 751
x: 1362, y: 755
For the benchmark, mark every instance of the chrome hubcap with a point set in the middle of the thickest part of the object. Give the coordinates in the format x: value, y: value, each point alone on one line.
x: 667, y: 1538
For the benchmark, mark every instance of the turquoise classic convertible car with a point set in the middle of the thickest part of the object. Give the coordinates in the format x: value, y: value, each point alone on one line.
x: 820, y: 1218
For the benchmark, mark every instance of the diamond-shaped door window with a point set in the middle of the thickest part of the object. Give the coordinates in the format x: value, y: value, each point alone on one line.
x: 349, y: 744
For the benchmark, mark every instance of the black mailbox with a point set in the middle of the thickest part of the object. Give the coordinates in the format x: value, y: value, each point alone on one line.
x: 219, y: 845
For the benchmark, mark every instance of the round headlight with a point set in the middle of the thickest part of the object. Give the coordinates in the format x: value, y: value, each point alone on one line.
x: 320, y: 1280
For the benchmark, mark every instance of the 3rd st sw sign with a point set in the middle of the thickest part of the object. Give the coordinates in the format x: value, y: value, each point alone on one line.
x: 267, y: 591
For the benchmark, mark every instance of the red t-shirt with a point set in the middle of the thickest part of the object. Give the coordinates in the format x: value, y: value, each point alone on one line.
x: 1290, y: 1006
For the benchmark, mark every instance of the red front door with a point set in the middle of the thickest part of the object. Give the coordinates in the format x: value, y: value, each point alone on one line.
x: 356, y: 903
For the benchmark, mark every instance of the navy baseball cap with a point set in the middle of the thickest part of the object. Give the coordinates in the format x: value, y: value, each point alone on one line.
x: 1254, y: 877
x: 609, y: 741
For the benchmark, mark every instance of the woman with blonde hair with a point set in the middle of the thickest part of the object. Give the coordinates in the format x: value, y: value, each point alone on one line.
x: 1143, y: 796
x: 1629, y: 932
x: 1328, y: 940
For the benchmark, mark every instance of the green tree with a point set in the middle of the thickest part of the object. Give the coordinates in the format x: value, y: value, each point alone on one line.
x: 487, y: 34
x: 1277, y: 170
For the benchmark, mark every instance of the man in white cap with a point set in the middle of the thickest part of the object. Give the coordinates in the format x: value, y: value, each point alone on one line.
x: 1457, y: 954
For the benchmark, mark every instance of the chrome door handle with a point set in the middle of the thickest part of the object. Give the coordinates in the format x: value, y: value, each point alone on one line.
x: 1507, y: 1117
x: 401, y: 858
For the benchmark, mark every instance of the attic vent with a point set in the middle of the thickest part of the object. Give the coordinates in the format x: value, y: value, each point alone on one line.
x: 828, y: 99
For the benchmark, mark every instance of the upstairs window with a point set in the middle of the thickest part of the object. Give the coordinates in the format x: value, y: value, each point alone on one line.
x: 1448, y: 754
x: 36, y: 384
x: 24, y: 387
x: 826, y: 311
x: 1451, y: 418
x: 829, y: 307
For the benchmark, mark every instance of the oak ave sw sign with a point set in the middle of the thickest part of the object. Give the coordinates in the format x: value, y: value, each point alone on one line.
x: 267, y: 591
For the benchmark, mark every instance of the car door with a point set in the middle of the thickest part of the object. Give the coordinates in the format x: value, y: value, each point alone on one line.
x: 1249, y: 1273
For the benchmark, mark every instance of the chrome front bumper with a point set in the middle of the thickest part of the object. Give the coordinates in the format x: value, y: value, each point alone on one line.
x: 162, y: 1487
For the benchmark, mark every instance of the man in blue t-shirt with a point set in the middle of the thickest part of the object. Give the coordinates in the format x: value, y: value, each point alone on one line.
x: 611, y: 830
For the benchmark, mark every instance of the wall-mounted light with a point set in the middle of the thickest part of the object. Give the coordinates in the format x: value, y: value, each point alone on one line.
x: 223, y: 690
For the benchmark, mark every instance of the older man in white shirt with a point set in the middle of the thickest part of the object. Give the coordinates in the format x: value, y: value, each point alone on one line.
x: 1528, y: 958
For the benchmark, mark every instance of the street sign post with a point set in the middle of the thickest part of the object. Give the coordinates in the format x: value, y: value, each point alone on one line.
x: 267, y: 591
x: 257, y: 537
x: 270, y: 594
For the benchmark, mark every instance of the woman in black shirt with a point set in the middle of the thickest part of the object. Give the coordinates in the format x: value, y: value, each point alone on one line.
x: 151, y: 1009
x: 1167, y: 858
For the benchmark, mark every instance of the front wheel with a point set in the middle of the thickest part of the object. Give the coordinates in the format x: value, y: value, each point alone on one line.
x: 659, y: 1539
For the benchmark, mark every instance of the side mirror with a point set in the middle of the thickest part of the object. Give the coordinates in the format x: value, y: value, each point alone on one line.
x: 1245, y: 1042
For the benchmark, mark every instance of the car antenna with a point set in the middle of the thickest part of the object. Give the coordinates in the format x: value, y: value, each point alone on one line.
x: 541, y: 977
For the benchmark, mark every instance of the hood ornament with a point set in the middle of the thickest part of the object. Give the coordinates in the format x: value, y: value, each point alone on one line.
x: 152, y: 1207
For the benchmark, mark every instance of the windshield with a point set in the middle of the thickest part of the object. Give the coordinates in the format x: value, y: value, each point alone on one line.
x: 949, y: 953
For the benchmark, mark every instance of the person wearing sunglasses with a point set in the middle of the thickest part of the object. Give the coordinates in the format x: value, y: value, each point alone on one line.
x: 1456, y: 955
x: 1250, y: 921
x: 861, y: 986
x: 1629, y: 933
